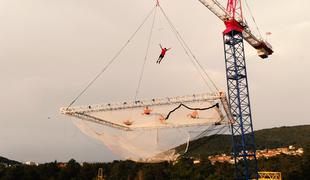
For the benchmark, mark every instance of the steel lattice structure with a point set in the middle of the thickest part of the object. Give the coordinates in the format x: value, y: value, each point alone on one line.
x: 270, y: 175
x: 237, y: 30
x: 101, y: 113
x: 242, y: 130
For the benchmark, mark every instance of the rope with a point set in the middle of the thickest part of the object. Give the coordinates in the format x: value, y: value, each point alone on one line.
x: 207, y: 132
x: 198, y: 109
x: 186, y: 47
x: 111, y: 61
x: 187, y: 53
x: 146, y: 54
x: 248, y: 7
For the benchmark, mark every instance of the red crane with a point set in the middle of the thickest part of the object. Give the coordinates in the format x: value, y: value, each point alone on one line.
x: 233, y: 17
x: 237, y: 30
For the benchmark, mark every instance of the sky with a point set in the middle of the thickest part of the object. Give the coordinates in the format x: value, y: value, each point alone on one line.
x: 51, y: 49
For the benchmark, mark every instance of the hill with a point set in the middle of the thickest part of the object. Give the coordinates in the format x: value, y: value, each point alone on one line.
x: 292, y: 167
x: 8, y: 161
x: 265, y: 139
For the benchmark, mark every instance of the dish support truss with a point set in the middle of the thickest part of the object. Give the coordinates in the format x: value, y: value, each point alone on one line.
x: 86, y: 112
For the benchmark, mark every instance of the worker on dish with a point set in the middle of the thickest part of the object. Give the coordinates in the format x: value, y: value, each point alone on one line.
x: 162, y: 119
x: 162, y: 54
x: 147, y: 111
x: 128, y: 122
x: 193, y: 115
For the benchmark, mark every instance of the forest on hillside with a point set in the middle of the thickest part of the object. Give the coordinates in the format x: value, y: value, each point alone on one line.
x: 292, y: 167
x: 264, y: 139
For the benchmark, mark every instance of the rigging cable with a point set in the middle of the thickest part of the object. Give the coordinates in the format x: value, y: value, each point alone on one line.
x: 188, y: 55
x: 146, y: 54
x: 246, y: 3
x: 111, y: 61
x: 185, y: 44
x: 208, y: 131
x: 198, y: 140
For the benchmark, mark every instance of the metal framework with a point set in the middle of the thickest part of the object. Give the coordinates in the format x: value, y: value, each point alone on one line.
x: 100, y: 174
x: 142, y: 103
x: 264, y: 49
x: 86, y: 112
x: 236, y: 32
x: 264, y: 175
x: 242, y: 130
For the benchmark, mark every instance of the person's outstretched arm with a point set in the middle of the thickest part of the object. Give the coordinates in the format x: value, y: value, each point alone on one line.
x: 160, y: 46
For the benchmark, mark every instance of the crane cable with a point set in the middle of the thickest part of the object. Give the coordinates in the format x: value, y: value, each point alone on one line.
x: 112, y: 60
x: 146, y: 54
x: 247, y: 5
x: 209, y: 133
x: 209, y: 130
x: 180, y: 39
x: 186, y: 51
x: 186, y: 48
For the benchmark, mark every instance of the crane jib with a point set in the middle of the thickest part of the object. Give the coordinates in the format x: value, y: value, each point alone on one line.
x: 264, y: 49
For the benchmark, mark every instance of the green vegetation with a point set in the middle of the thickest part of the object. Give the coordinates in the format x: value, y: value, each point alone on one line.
x: 265, y: 139
x: 120, y: 170
x: 283, y: 137
x: 292, y: 167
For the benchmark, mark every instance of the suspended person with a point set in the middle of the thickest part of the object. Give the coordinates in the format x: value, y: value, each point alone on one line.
x: 162, y: 54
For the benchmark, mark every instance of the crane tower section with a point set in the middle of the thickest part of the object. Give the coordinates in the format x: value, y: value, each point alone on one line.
x: 242, y: 130
x: 244, y: 149
x: 236, y: 31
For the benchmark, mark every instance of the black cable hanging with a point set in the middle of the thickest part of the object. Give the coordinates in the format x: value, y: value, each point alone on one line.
x: 190, y: 108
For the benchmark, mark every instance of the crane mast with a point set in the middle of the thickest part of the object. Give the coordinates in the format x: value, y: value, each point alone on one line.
x: 244, y: 149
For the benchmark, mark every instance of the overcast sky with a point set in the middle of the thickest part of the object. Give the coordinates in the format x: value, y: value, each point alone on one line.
x: 50, y: 50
